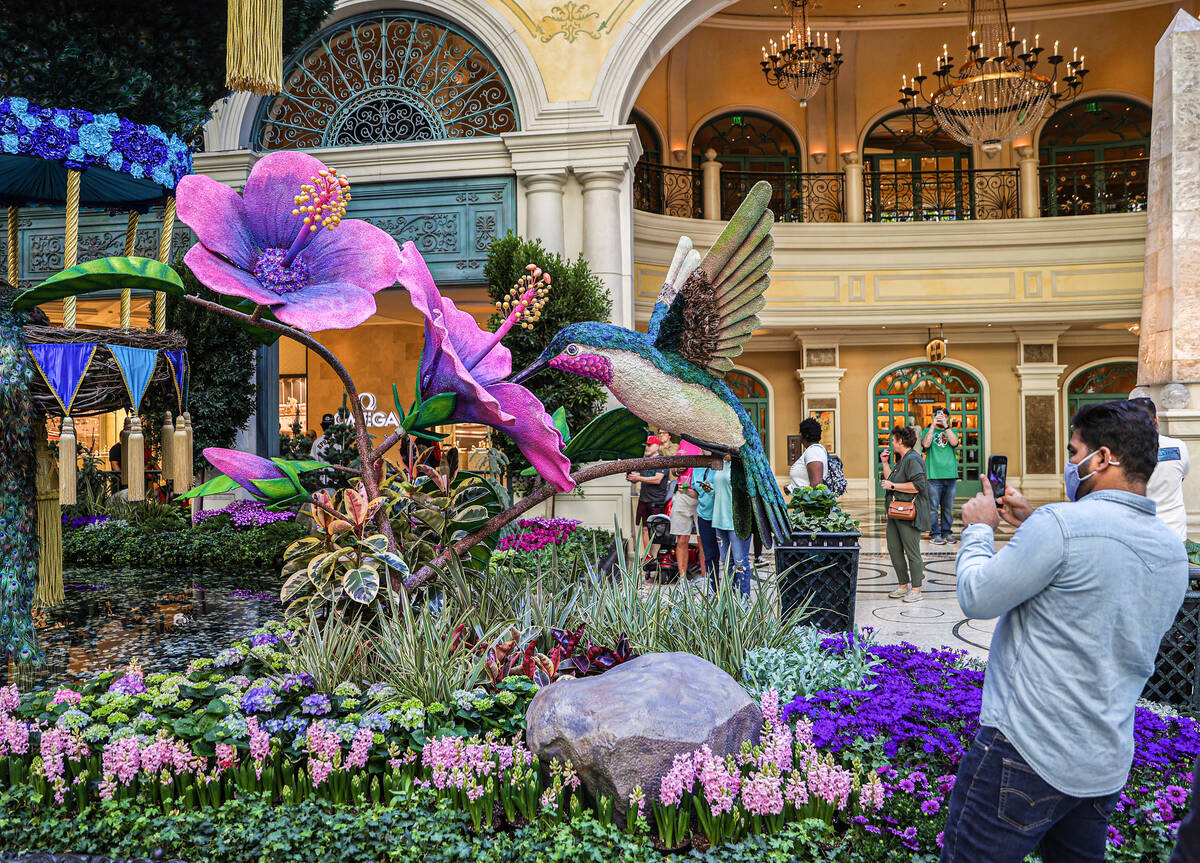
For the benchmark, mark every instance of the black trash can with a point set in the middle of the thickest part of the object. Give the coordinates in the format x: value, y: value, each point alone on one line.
x: 1176, y: 678
x: 820, y: 571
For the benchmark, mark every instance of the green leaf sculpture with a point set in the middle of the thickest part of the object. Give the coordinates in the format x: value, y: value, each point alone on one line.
x: 103, y: 274
x: 616, y: 434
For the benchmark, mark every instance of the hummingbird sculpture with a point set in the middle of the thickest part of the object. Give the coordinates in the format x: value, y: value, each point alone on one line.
x: 672, y: 375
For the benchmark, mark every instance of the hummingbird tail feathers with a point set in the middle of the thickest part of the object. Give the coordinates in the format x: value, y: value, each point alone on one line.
x: 758, y: 505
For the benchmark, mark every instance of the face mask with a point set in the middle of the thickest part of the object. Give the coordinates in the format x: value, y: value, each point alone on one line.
x: 1072, y: 478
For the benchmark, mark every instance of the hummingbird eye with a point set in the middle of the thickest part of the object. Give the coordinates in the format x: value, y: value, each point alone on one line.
x: 572, y: 350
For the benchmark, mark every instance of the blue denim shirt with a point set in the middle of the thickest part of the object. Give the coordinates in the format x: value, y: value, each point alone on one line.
x: 1085, y: 592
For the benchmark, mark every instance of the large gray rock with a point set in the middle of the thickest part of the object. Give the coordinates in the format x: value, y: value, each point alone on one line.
x: 625, y: 727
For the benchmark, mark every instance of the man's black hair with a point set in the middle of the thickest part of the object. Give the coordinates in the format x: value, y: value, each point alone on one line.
x: 1124, y: 428
x: 810, y: 430
x: 941, y: 409
x: 1147, y: 405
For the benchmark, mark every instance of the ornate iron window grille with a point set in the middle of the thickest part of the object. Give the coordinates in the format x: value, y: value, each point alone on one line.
x: 387, y: 77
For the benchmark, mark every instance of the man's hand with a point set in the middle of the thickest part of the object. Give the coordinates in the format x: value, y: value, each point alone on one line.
x: 981, y: 509
x: 1014, y: 508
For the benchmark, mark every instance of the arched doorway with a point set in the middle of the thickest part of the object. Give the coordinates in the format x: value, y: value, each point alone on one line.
x: 753, y: 395
x: 1094, y: 158
x: 907, y: 395
x: 1104, y: 382
x: 915, y: 172
x: 751, y: 147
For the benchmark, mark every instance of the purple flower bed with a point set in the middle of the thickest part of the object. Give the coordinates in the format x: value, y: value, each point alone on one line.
x: 244, y: 513
x: 78, y: 522
x: 534, y: 534
x: 917, y: 722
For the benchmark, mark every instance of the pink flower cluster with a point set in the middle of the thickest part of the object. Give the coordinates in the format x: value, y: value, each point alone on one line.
x: 324, y: 752
x: 57, y: 746
x: 457, y: 763
x: 260, y: 745
x: 164, y: 757
x: 538, y: 533
x: 65, y: 696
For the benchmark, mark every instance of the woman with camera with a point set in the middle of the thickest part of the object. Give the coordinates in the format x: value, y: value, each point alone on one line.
x: 907, y: 511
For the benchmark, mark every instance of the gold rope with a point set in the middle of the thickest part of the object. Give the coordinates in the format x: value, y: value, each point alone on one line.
x: 164, y: 255
x: 254, y: 46
x: 71, y: 251
x: 14, y: 272
x: 126, y: 293
x: 49, y: 526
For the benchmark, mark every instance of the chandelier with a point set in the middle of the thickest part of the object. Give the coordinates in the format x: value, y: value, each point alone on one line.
x: 801, y: 61
x: 1000, y: 92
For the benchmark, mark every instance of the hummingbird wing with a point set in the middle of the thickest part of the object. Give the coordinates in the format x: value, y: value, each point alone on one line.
x: 715, y: 311
x: 682, y: 265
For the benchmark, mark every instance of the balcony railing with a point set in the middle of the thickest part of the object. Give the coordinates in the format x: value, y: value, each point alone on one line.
x: 940, y: 196
x: 902, y: 196
x: 797, y: 197
x: 668, y: 191
x: 1093, y: 187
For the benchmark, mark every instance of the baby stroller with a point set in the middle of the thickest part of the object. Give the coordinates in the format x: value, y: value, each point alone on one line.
x: 660, y: 561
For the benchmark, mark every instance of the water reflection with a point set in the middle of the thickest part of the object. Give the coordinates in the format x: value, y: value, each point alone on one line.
x: 164, y: 619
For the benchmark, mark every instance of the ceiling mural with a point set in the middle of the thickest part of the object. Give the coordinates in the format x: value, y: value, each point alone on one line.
x: 570, y: 20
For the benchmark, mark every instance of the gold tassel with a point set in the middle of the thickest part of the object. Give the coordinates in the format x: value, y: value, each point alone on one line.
x: 137, y: 460
x: 180, y: 446
x: 125, y: 453
x: 254, y: 47
x: 49, y: 516
x: 14, y: 270
x: 66, y: 462
x: 167, y: 448
x: 189, y: 471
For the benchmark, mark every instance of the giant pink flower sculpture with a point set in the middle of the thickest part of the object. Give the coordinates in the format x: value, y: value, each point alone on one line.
x: 461, y: 358
x: 276, y: 243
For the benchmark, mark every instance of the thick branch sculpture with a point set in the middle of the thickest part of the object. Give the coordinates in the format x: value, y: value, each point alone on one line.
x: 544, y: 492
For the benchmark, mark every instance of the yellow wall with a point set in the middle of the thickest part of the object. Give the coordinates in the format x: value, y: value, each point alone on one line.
x: 778, y: 369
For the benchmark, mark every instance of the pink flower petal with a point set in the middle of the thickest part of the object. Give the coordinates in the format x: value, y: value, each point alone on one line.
x: 270, y: 196
x: 535, y: 434
x: 215, y: 212
x: 356, y: 252
x: 326, y: 306
x: 224, y: 278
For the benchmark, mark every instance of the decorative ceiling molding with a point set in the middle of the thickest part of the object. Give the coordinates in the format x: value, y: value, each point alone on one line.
x: 770, y: 24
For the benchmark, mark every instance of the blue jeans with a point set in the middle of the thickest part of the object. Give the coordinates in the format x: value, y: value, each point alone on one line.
x: 941, y: 505
x: 737, y: 551
x: 1001, y: 810
x: 708, y: 541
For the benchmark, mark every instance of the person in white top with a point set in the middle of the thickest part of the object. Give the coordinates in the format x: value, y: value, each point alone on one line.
x: 1165, y: 487
x: 813, y: 465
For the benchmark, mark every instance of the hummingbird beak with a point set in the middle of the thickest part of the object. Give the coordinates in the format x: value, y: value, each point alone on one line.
x: 529, y: 371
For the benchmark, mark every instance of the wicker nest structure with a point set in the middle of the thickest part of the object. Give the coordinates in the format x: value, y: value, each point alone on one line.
x: 103, y: 388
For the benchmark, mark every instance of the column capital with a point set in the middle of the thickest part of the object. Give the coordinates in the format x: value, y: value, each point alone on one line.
x: 598, y: 179
x: 1025, y: 151
x: 819, y: 376
x: 600, y: 149
x: 1039, y: 378
x: 850, y: 158
x: 544, y: 181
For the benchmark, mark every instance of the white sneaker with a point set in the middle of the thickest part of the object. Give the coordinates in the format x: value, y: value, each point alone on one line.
x: 900, y: 591
x: 913, y: 596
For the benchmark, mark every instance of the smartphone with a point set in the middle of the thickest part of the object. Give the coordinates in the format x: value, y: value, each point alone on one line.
x: 997, y: 474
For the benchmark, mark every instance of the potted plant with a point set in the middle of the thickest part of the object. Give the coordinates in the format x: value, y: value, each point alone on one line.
x: 820, y: 565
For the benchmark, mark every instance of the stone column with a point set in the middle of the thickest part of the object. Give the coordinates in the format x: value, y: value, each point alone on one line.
x: 1169, y: 344
x: 1027, y: 183
x: 544, y: 209
x: 710, y: 184
x: 1039, y: 465
x: 852, y: 195
x: 602, y: 230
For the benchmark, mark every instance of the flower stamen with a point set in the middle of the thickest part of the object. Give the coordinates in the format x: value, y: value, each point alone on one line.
x: 523, y: 304
x: 322, y: 202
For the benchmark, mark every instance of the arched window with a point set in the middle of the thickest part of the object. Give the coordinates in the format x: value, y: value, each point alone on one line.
x: 652, y: 147
x: 915, y: 172
x: 752, y: 393
x: 386, y: 77
x: 1105, y: 382
x: 907, y: 395
x: 1094, y: 158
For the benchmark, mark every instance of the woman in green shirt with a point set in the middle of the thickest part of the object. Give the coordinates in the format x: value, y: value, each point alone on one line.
x: 906, y: 481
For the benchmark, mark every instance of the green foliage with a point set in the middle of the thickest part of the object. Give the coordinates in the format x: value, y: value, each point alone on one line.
x: 102, y: 274
x: 814, y: 509
x: 221, y: 396
x: 151, y: 546
x: 577, y: 295
x: 809, y: 669
x: 161, y: 63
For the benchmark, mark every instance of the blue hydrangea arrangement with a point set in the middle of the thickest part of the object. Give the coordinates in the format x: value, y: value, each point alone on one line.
x: 80, y: 139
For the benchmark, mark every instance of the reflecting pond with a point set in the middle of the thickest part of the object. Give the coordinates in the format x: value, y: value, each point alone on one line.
x: 164, y: 619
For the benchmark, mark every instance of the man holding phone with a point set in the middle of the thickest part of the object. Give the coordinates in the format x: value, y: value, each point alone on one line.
x: 1085, y: 592
x: 939, y: 443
